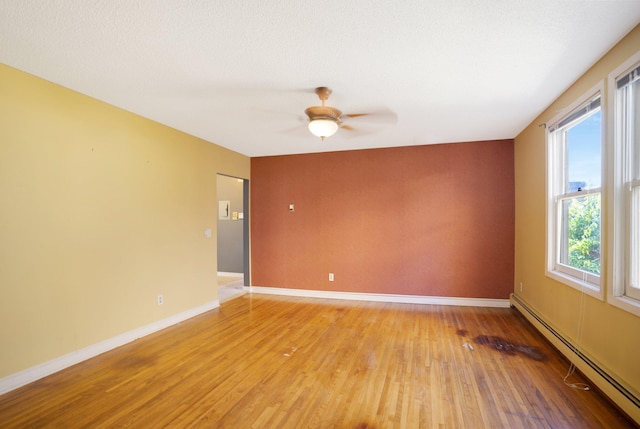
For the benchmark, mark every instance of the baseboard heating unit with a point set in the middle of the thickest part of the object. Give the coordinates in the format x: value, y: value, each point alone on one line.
x: 623, y: 397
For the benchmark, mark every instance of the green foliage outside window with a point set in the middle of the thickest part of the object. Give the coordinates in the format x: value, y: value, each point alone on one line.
x: 584, y: 233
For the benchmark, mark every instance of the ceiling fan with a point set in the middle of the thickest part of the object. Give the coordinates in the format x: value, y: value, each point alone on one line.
x: 324, y: 121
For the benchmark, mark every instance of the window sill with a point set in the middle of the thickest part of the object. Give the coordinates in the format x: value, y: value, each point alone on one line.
x: 625, y: 303
x: 588, y: 288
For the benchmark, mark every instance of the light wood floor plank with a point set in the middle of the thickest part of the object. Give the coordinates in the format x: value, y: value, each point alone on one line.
x: 284, y: 362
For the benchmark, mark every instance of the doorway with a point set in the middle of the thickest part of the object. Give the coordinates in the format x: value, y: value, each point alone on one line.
x: 232, y: 236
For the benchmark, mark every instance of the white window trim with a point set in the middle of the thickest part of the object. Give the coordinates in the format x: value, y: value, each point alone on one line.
x: 583, y: 285
x: 616, y: 249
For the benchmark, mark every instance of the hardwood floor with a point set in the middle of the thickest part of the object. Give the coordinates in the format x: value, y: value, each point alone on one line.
x: 282, y: 362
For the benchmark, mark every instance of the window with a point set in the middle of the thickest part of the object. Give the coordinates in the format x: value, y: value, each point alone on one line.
x: 574, y: 172
x: 624, y: 84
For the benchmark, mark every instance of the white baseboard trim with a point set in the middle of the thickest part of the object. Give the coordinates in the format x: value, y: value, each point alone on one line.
x: 226, y: 274
x: 383, y: 297
x: 37, y: 372
x: 621, y: 395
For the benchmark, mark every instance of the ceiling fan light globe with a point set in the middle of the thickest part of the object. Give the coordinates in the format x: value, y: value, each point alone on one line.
x: 323, y: 127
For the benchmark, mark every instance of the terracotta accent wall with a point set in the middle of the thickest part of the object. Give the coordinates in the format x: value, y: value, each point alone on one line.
x: 433, y: 220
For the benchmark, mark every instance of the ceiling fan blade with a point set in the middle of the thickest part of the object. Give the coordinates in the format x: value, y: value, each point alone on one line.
x: 275, y: 115
x: 296, y: 131
x: 380, y: 116
x: 354, y: 132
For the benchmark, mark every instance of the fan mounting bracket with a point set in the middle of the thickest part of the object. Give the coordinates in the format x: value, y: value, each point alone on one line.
x: 323, y: 93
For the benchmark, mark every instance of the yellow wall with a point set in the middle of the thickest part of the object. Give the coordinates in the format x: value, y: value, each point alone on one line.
x: 609, y: 334
x: 100, y: 211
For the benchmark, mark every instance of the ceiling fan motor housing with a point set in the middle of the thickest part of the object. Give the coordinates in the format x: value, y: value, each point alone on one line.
x: 323, y: 112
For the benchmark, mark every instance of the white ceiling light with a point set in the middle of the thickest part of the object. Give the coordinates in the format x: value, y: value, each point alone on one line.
x: 323, y: 127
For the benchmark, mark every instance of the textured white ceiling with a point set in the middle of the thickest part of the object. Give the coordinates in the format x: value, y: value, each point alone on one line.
x: 240, y: 73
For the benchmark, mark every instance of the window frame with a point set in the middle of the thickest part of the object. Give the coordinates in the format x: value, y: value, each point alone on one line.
x: 619, y: 227
x: 589, y: 283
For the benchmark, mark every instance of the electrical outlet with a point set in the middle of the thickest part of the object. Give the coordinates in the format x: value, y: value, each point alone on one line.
x: 520, y: 286
x: 330, y: 277
x: 160, y: 299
